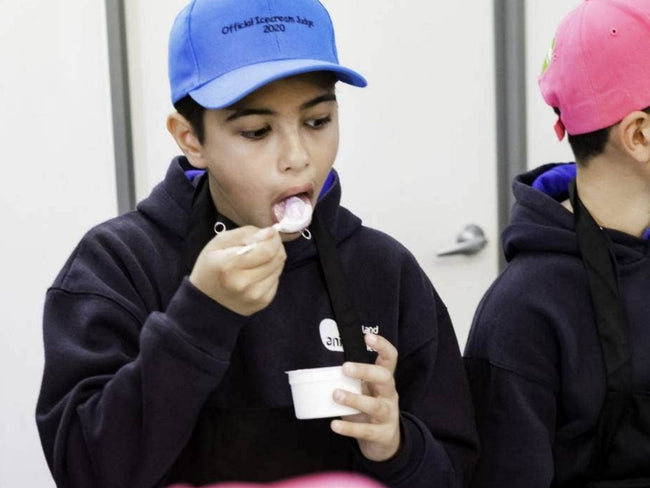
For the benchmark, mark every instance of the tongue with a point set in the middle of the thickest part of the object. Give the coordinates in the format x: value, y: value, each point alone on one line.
x: 293, y: 214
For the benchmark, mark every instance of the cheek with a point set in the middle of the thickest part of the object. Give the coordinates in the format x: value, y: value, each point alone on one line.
x: 335, y: 138
x: 325, y: 161
x: 327, y: 148
x: 233, y: 160
x: 234, y: 150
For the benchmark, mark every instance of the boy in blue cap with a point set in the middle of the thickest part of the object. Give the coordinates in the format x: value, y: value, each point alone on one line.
x: 169, y: 330
x: 558, y: 353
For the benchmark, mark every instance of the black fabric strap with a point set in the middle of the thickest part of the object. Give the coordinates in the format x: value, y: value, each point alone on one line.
x: 347, y: 318
x: 199, y: 229
x: 600, y: 264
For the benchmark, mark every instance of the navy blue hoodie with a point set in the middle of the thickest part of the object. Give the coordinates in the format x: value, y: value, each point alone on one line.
x: 533, y: 355
x: 149, y: 381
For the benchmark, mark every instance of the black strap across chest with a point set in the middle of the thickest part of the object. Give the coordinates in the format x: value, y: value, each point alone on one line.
x: 347, y: 317
x: 622, y: 451
x: 600, y: 263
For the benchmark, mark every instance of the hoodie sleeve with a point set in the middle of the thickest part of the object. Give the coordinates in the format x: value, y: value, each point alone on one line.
x: 122, y: 389
x: 439, y: 439
x: 511, y: 360
x: 515, y: 417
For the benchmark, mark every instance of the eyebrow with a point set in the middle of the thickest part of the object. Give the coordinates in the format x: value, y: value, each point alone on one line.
x: 243, y: 112
x: 328, y: 97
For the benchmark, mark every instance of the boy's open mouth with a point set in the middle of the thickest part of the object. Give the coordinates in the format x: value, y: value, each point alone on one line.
x: 293, y: 211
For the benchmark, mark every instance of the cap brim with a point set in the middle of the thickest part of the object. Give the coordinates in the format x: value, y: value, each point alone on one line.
x: 235, y: 85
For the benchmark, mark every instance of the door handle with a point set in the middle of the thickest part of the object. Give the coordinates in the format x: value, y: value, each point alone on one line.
x: 470, y: 241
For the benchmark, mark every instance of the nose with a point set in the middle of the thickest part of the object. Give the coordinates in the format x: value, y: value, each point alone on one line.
x: 294, y: 154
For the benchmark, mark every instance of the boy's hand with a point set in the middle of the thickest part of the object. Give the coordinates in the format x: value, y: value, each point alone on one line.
x: 244, y: 283
x: 376, y: 428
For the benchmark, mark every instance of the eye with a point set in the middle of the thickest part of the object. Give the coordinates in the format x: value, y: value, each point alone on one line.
x: 319, y: 123
x: 256, y: 134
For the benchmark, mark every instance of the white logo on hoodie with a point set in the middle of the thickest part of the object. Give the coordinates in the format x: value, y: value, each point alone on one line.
x: 329, y: 334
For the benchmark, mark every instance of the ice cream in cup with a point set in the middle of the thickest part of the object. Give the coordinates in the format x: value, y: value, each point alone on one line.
x: 312, y: 391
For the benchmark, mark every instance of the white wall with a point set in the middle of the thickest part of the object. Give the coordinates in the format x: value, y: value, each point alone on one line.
x: 58, y: 180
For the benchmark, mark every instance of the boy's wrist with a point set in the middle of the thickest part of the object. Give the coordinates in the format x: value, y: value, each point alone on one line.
x: 397, y: 465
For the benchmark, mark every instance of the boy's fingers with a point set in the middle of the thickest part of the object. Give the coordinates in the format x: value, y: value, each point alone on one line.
x: 386, y: 352
x: 262, y: 235
x: 238, y: 249
x: 268, y: 288
x: 380, y: 378
x: 253, y: 272
x: 260, y: 253
x: 378, y: 410
x: 244, y: 249
x: 362, y: 432
x: 260, y: 294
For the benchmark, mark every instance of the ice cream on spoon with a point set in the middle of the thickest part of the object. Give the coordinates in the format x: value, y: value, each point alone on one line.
x: 293, y: 214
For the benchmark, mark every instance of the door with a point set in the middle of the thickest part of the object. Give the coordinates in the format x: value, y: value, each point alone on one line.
x: 417, y: 157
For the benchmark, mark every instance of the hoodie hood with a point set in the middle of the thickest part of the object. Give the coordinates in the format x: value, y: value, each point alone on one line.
x: 540, y: 223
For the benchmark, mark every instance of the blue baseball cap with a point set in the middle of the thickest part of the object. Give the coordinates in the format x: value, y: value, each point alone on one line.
x: 222, y: 50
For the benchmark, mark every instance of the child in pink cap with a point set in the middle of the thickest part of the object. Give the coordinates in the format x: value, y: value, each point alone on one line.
x: 558, y: 353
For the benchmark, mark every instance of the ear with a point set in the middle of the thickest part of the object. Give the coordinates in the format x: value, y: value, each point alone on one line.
x: 634, y: 133
x: 182, y: 132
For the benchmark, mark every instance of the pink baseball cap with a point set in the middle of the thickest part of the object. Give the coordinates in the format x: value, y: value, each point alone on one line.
x: 598, y: 68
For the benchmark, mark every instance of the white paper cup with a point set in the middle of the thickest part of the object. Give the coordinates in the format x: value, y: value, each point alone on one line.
x: 312, y: 391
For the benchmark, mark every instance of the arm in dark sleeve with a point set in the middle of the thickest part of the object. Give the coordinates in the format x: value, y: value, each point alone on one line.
x: 512, y: 357
x: 516, y: 418
x: 439, y: 439
x: 120, y: 398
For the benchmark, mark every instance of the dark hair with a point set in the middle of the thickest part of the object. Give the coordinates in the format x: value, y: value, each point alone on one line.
x: 589, y: 145
x: 193, y: 113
